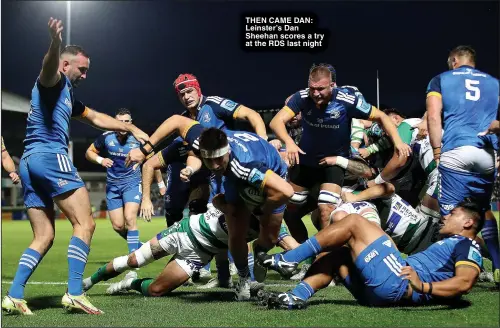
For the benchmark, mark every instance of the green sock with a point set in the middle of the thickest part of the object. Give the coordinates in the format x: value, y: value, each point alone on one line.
x: 142, y: 285
x: 102, y: 275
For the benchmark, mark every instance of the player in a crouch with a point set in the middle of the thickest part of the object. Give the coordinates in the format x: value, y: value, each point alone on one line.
x: 374, y: 271
x: 48, y: 175
x: 254, y: 177
x: 193, y: 241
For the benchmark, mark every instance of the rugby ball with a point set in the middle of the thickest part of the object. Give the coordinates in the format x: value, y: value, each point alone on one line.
x: 252, y: 196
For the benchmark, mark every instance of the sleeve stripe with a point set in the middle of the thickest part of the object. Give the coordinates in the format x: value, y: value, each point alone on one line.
x: 162, y: 161
x: 186, y: 130
x: 290, y: 111
x: 372, y: 112
x: 86, y: 112
x: 235, y: 114
x: 434, y: 93
x: 472, y: 264
x: 263, y: 184
x: 92, y: 147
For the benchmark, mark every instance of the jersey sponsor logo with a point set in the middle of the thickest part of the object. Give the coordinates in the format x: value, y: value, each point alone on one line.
x: 137, y: 197
x: 371, y: 255
x: 256, y: 177
x: 346, y: 97
x: 335, y: 114
x: 206, y: 117
x: 363, y: 106
x: 320, y: 120
x: 120, y: 150
x: 309, y: 112
x: 475, y: 255
x: 111, y: 143
x: 228, y: 104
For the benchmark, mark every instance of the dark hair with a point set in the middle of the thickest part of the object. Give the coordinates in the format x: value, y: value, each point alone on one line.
x: 323, y: 69
x: 212, y: 139
x: 388, y: 111
x: 475, y: 212
x: 74, y: 50
x: 462, y: 51
x: 123, y: 111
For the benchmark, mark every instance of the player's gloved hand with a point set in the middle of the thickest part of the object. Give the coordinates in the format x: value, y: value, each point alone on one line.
x: 55, y: 29
x: 493, y: 128
x: 106, y: 162
x: 407, y: 273
x: 276, y: 143
x: 402, y: 149
x: 293, y: 153
x: 14, y: 177
x: 364, y: 152
x: 330, y: 160
x: 147, y: 209
x: 186, y: 173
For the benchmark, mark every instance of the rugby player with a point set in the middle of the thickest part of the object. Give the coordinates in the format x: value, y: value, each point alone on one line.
x: 48, y: 176
x: 464, y: 100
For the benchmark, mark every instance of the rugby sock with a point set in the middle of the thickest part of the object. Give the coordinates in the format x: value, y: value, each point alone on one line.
x: 27, y: 264
x: 102, y: 275
x: 303, y: 291
x: 77, y: 259
x: 250, y: 266
x: 490, y: 236
x: 142, y: 285
x: 133, y: 240
x: 222, y: 270
x: 244, y: 273
x: 307, y: 249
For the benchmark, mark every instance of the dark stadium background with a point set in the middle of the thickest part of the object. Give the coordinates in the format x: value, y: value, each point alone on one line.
x: 138, y: 48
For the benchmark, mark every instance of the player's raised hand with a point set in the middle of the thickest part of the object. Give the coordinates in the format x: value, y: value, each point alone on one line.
x: 147, y: 209
x: 106, y: 162
x: 402, y: 149
x: 55, y: 29
x: 293, y: 153
x: 134, y: 156
x: 186, y: 173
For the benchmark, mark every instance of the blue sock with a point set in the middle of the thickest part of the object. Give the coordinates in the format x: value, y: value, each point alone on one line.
x: 303, y: 291
x: 132, y: 240
x: 230, y: 257
x: 250, y: 266
x: 490, y: 236
x: 207, y: 267
x: 309, y: 248
x: 77, y: 259
x: 27, y: 264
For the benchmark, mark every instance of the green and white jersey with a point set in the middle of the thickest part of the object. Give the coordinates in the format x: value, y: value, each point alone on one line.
x: 404, y: 224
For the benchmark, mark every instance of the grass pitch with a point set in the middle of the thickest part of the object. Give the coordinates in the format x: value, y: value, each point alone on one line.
x: 188, y: 306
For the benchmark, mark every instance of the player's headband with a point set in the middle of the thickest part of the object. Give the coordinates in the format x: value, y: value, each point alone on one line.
x: 214, y: 153
x: 184, y: 81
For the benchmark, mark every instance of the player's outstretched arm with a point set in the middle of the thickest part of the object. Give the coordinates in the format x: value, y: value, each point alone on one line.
x: 434, y: 105
x: 49, y: 76
x: 278, y: 191
x: 461, y: 283
x: 193, y: 165
x: 389, y: 127
x: 278, y: 125
x: 92, y: 155
x: 377, y: 191
x: 106, y: 122
x: 255, y: 120
x: 356, y: 168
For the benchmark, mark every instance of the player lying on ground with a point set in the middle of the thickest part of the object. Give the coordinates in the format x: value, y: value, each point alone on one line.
x: 193, y: 241
x: 253, y: 174
x: 374, y: 271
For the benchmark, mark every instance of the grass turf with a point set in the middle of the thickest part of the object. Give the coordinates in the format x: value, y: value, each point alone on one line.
x: 188, y: 306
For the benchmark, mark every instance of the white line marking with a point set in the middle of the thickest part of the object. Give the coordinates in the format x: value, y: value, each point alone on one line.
x: 109, y: 283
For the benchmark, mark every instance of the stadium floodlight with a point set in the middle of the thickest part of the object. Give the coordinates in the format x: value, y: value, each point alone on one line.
x: 378, y: 93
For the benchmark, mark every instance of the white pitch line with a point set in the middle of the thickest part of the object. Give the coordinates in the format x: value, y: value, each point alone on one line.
x: 109, y: 283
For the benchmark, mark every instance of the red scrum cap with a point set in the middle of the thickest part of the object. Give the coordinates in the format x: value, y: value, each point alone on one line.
x: 184, y: 81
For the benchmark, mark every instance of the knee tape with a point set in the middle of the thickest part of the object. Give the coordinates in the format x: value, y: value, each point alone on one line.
x: 120, y: 263
x: 328, y: 198
x: 144, y: 255
x: 299, y: 197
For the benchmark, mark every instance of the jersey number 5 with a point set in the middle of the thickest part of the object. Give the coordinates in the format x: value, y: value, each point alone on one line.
x: 474, y: 93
